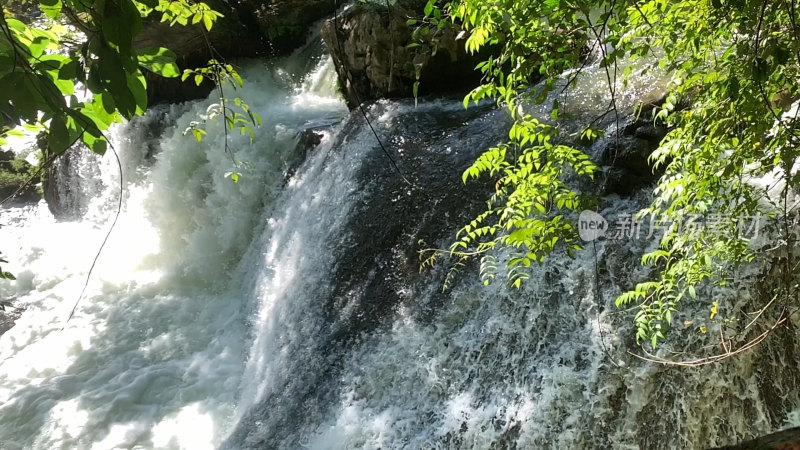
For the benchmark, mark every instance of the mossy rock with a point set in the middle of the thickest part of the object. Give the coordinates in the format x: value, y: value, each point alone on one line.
x: 16, y: 179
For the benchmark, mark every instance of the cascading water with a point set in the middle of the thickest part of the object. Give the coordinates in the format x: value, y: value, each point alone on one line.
x: 155, y: 351
x: 362, y: 352
x: 287, y: 310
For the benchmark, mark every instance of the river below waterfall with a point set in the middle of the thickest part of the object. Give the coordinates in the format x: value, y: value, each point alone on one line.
x: 287, y: 310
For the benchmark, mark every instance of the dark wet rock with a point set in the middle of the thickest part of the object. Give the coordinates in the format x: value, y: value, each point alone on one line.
x: 652, y: 133
x: 781, y: 440
x: 370, y: 47
x: 628, y: 153
x: 626, y: 167
x: 9, y: 315
x: 307, y: 140
x: 248, y: 28
x: 55, y: 198
x: 68, y: 182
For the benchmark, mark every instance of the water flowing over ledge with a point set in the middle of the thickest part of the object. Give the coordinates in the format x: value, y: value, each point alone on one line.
x: 287, y: 310
x: 154, y: 354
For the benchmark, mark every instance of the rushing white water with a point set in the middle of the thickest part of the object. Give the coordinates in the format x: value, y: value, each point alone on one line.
x: 547, y: 367
x: 287, y: 311
x: 156, y: 349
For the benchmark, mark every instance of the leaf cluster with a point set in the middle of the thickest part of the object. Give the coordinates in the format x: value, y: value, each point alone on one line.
x: 732, y: 109
x: 43, y: 71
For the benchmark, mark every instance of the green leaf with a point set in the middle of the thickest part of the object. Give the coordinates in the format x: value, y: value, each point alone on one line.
x: 15, y: 24
x: 208, y: 20
x: 198, y: 134
x: 58, y: 139
x: 429, y: 7
x: 137, y: 87
x: 237, y: 78
x: 121, y: 22
x: 102, y: 110
x: 97, y: 145
x: 69, y: 71
x: 159, y: 60
x: 52, y: 8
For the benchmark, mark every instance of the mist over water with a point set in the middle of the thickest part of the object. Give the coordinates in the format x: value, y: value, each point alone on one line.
x: 288, y: 311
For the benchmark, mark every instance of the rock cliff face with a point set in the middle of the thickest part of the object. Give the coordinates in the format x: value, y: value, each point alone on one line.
x: 16, y: 185
x: 285, y: 23
x: 369, y: 44
x: 248, y: 28
x: 370, y: 47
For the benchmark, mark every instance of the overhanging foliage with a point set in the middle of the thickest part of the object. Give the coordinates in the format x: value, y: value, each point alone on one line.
x: 734, y: 65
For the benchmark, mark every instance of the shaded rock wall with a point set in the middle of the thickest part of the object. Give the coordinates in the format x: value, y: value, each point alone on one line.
x: 248, y: 28
x: 370, y: 47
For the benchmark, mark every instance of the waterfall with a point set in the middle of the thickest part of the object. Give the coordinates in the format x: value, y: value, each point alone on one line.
x: 287, y: 310
x: 353, y: 349
x: 155, y: 351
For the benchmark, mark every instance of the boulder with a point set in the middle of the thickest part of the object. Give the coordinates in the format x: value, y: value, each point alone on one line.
x: 9, y: 314
x: 70, y: 182
x: 370, y: 48
x: 307, y: 140
x: 56, y: 192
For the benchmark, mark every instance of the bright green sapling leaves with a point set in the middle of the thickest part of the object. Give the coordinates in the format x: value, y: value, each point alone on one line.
x: 237, y: 117
x: 732, y: 114
x: 158, y: 60
x: 526, y: 214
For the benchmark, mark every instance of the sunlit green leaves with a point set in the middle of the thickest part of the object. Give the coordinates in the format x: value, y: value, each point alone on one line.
x: 186, y: 13
x: 158, y: 60
x: 39, y: 69
x: 735, y: 73
x: 526, y: 213
x: 58, y: 138
x: 238, y: 118
x: 51, y: 7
